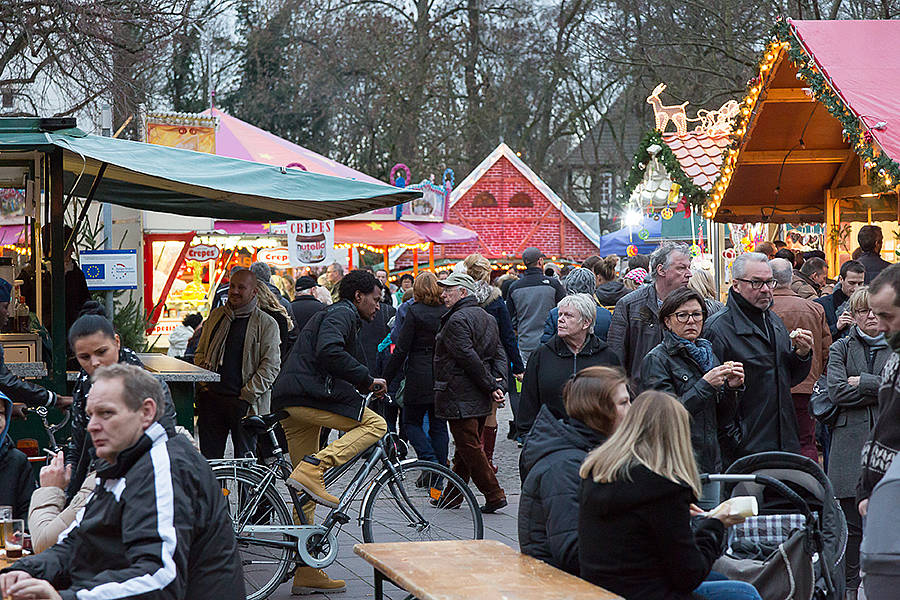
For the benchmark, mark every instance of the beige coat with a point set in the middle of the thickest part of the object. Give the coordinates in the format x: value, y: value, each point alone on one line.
x: 262, y: 357
x: 48, y: 515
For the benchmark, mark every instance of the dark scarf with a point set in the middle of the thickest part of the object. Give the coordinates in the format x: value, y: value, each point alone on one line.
x: 757, y: 316
x: 700, y: 351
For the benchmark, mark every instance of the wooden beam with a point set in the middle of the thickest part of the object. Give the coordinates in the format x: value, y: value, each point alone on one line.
x: 852, y: 191
x: 787, y: 95
x: 797, y: 157
x: 842, y: 172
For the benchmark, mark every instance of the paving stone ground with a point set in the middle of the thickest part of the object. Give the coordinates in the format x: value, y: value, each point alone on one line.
x: 501, y: 526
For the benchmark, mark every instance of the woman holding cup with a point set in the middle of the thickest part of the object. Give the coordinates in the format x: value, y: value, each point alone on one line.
x: 684, y: 365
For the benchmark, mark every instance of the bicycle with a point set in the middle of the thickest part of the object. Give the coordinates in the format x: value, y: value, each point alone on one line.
x: 437, y: 506
x: 43, y: 414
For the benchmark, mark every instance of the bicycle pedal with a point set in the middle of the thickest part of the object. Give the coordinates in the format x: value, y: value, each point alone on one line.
x: 340, y: 517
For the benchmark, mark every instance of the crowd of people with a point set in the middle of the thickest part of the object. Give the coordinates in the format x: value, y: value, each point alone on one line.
x: 626, y: 379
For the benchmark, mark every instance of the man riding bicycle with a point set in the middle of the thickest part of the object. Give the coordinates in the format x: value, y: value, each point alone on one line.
x: 320, y: 386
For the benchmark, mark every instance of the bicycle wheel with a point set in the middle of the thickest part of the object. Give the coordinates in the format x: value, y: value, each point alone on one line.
x: 265, y: 568
x: 424, y: 502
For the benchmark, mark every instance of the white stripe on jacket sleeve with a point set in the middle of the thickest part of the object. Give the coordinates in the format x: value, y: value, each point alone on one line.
x: 165, y: 525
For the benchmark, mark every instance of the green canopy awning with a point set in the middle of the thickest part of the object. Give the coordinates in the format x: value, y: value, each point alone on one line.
x: 184, y: 182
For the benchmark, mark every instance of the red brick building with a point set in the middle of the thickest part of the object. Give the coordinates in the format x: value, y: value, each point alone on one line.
x: 511, y: 208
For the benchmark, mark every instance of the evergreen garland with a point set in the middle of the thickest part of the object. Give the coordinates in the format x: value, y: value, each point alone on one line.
x: 691, y: 192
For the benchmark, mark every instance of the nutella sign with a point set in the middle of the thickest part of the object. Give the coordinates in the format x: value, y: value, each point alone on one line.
x: 202, y: 252
x: 310, y: 243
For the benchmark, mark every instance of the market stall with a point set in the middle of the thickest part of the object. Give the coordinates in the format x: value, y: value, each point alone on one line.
x: 817, y: 137
x: 61, y: 168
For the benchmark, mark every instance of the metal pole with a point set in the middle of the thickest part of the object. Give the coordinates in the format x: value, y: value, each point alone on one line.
x: 57, y: 271
x: 106, y: 131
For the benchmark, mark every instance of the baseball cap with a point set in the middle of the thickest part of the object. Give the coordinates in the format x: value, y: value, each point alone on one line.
x: 458, y: 279
x: 531, y: 255
x: 304, y: 283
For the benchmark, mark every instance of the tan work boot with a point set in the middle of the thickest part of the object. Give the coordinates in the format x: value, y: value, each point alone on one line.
x: 311, y: 581
x: 309, y: 477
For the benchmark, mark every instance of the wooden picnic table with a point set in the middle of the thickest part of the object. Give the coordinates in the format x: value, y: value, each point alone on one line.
x: 472, y: 570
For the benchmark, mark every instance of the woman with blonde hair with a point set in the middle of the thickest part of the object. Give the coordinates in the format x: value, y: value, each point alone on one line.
x: 702, y: 282
x: 636, y: 503
x: 413, y: 359
x: 269, y: 304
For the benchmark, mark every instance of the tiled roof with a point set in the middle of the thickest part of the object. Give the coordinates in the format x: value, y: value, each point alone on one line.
x: 699, y: 154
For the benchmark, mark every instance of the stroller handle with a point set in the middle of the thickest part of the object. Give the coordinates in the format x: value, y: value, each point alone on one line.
x: 767, y: 481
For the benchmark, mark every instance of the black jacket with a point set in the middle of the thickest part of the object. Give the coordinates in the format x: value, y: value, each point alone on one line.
x: 371, y: 333
x: 303, y: 308
x: 496, y: 307
x: 469, y: 362
x: 156, y: 526
x: 669, y: 368
x: 768, y: 418
x: 548, y: 370
x: 873, y: 264
x: 529, y: 299
x: 414, y: 347
x: 548, y: 468
x: 831, y: 303
x: 610, y: 292
x: 16, y: 475
x: 326, y: 368
x: 286, y: 337
x: 80, y: 450
x: 636, y: 537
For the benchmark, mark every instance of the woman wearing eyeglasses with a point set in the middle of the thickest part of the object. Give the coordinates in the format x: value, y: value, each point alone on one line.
x: 684, y: 365
x: 855, y: 363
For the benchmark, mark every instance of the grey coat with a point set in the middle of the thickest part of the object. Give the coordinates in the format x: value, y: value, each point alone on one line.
x: 859, y: 407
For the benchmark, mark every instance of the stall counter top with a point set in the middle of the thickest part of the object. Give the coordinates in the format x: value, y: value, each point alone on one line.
x: 167, y: 368
x: 27, y: 370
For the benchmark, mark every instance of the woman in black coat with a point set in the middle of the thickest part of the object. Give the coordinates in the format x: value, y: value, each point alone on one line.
x: 414, y: 356
x: 635, y: 509
x: 573, y: 348
x: 596, y: 399
x: 684, y: 365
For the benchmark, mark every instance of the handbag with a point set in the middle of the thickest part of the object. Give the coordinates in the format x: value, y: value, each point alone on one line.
x: 821, y: 407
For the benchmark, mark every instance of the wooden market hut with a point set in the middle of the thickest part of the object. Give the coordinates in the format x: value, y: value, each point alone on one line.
x: 818, y: 134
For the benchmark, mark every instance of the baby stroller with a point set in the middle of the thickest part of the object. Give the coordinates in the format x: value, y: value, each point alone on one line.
x: 794, y: 549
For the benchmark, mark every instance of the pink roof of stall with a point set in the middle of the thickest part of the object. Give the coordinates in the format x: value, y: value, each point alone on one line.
x: 860, y: 58
x: 238, y: 139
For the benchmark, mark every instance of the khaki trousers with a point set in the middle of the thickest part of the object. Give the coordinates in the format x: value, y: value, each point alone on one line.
x: 302, y: 428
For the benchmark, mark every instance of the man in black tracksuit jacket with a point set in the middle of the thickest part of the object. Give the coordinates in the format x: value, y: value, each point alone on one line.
x: 155, y: 527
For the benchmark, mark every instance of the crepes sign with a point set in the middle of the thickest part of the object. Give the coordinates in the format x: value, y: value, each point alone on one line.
x: 310, y: 243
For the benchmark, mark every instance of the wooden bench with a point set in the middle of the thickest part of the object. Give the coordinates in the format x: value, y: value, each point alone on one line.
x: 472, y: 570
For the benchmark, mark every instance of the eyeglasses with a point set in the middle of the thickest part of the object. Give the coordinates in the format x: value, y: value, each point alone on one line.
x: 757, y: 284
x: 684, y: 317
x: 863, y: 312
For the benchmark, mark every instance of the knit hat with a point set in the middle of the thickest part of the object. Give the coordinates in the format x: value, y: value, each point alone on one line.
x: 638, y: 275
x: 5, y: 293
x: 581, y: 281
x: 304, y: 282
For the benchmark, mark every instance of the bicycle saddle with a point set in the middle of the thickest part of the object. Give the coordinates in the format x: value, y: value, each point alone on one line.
x: 260, y: 423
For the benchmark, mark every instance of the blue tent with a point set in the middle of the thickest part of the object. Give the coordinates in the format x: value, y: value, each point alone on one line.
x: 617, y: 241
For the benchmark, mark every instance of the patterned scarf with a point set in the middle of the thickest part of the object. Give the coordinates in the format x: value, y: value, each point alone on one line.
x: 701, y: 351
x: 215, y: 350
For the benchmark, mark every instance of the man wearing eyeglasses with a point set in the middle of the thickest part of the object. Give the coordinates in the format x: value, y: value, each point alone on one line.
x: 802, y: 313
x: 749, y: 332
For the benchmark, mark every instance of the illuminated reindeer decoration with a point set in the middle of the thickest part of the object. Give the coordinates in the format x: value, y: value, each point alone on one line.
x: 664, y: 114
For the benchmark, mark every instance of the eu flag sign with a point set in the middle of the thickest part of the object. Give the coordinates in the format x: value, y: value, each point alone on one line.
x: 95, y: 271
